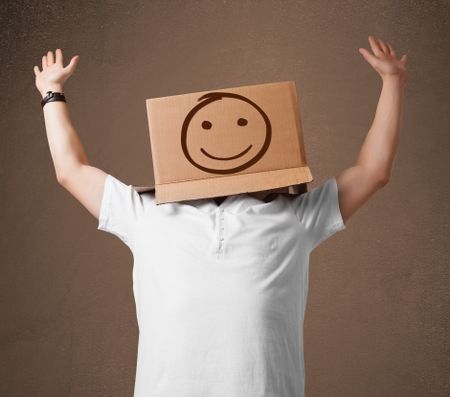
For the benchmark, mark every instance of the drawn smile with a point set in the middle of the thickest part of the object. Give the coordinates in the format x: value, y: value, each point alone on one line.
x: 226, y: 158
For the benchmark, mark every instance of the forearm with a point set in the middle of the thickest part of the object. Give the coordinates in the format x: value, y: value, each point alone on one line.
x: 380, y: 145
x: 65, y: 147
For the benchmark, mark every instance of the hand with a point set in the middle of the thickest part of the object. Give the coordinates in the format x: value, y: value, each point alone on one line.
x: 384, y: 60
x: 53, y: 74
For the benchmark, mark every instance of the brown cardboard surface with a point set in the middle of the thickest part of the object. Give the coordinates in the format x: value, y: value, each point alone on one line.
x: 226, y: 141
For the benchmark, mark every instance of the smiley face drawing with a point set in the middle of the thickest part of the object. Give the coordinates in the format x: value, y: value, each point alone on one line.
x: 212, y: 122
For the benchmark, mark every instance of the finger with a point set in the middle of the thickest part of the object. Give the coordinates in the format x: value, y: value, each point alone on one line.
x: 36, y: 70
x: 383, y: 46
x: 59, y: 56
x: 50, y: 59
x: 403, y: 59
x: 44, y: 62
x: 368, y: 56
x: 375, y: 46
x: 391, y: 50
x: 72, y: 64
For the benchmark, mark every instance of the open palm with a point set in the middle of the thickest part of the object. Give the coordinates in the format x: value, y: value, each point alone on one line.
x: 384, y: 59
x: 54, y: 74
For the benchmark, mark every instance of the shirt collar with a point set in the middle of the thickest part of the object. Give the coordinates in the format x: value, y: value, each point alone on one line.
x: 234, y: 203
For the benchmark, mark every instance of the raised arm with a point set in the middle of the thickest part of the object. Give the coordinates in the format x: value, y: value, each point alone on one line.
x: 72, y: 167
x: 375, y: 160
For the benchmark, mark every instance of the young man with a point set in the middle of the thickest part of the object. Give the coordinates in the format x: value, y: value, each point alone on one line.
x: 221, y: 284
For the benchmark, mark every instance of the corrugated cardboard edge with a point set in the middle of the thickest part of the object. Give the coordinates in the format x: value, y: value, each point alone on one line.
x: 170, y: 192
x: 294, y: 189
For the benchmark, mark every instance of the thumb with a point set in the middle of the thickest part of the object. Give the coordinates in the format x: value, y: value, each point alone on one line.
x: 72, y: 64
x: 403, y: 59
x: 368, y: 56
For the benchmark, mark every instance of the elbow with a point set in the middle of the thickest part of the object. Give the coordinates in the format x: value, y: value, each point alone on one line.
x: 382, y: 180
x: 60, y: 179
x: 64, y: 174
x: 378, y: 178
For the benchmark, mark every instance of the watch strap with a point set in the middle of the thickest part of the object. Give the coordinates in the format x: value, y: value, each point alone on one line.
x: 52, y: 97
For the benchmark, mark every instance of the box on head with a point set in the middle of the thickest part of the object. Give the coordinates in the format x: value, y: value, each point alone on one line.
x: 227, y: 141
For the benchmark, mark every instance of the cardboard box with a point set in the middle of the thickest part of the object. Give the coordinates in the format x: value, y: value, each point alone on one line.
x: 227, y: 141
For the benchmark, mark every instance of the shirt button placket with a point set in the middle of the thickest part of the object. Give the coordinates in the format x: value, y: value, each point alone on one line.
x: 220, y: 226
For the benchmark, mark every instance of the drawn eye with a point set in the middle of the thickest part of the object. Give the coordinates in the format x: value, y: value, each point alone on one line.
x: 206, y: 125
x: 242, y: 122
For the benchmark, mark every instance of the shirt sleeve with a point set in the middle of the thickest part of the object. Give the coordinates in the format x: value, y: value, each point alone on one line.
x: 319, y: 213
x: 120, y: 209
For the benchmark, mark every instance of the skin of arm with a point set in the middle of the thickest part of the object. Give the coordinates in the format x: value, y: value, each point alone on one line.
x: 375, y: 161
x: 72, y: 168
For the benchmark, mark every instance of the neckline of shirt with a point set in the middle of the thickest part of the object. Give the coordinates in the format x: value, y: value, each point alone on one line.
x: 230, y: 204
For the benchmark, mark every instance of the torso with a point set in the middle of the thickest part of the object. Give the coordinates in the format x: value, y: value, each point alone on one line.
x: 220, y: 296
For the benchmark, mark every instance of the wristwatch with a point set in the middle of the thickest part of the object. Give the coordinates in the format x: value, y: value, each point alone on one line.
x: 52, y: 97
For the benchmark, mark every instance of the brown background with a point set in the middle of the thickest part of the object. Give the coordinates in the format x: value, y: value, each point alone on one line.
x: 377, y: 317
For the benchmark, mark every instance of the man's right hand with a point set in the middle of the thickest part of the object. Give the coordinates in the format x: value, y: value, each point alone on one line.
x: 53, y: 74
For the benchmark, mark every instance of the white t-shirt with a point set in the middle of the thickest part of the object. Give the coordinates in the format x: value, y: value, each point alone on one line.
x: 220, y: 291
